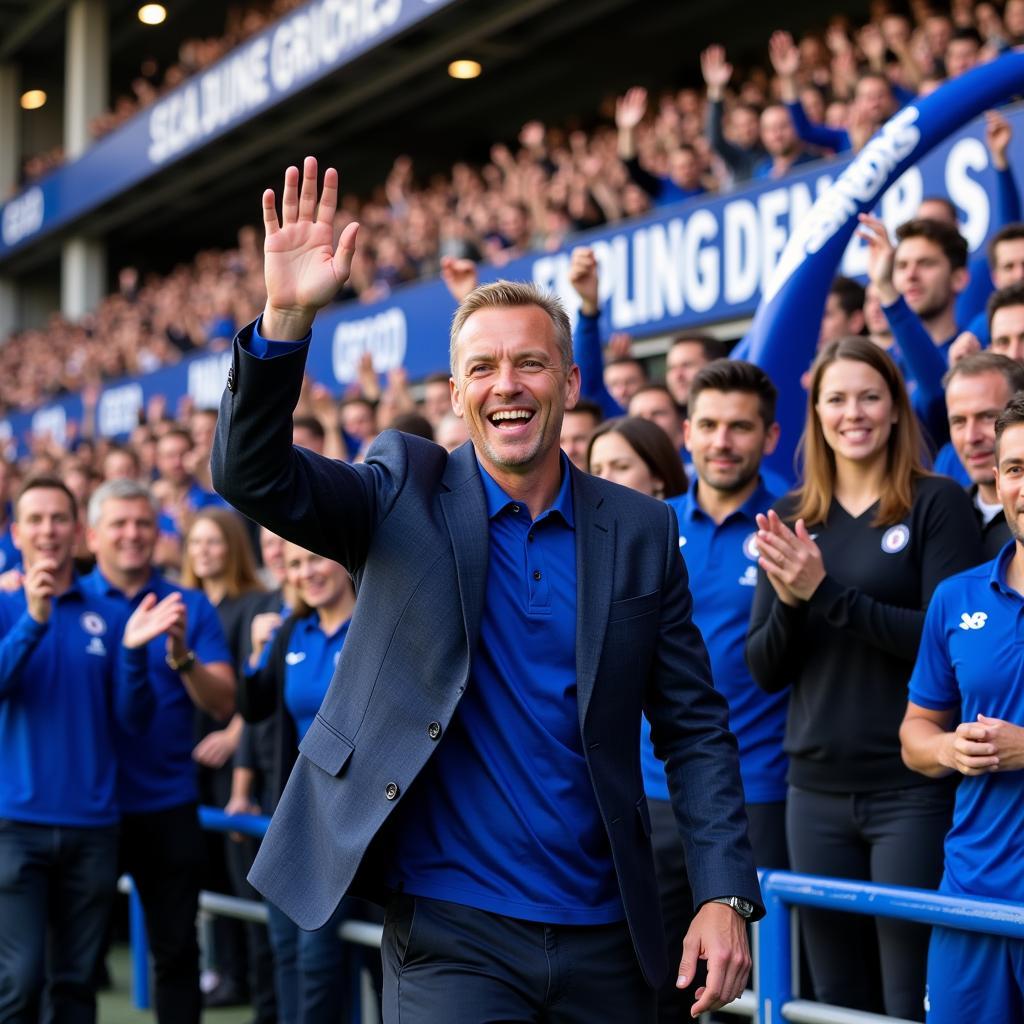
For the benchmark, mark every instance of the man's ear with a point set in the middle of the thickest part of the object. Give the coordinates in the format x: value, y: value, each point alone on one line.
x: 456, y: 396
x: 959, y: 280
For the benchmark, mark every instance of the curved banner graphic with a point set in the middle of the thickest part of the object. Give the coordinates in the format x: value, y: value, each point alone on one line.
x: 784, y: 334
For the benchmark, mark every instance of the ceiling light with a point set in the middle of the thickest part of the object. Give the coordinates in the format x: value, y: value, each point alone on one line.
x: 464, y: 69
x: 33, y: 99
x: 152, y: 14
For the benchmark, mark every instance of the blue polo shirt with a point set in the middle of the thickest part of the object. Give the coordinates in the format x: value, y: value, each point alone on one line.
x: 196, y: 499
x: 63, y: 685
x: 722, y: 563
x: 10, y: 556
x: 310, y: 661
x: 972, y: 657
x: 504, y: 817
x: 155, y: 769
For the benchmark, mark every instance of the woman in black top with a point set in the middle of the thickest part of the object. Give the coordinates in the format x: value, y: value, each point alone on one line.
x: 848, y: 563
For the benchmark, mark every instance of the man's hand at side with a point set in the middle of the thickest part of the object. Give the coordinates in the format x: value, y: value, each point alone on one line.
x: 718, y: 935
x: 303, y: 270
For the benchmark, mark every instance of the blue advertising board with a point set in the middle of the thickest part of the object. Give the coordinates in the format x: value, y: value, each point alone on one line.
x: 701, y: 262
x: 306, y: 45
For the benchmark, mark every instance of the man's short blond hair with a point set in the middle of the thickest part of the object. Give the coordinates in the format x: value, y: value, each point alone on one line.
x: 510, y: 295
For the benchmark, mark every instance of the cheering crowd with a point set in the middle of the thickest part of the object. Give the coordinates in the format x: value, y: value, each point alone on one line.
x: 825, y: 94
x: 862, y: 624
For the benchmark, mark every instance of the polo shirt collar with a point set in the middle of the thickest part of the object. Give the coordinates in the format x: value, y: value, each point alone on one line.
x: 997, y: 577
x: 497, y: 500
x: 759, y: 501
x: 111, y: 591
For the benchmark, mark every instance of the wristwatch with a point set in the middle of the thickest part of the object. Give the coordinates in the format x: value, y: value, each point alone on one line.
x: 184, y: 664
x: 742, y: 907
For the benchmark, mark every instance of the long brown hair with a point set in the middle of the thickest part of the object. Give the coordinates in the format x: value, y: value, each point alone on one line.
x: 905, y: 455
x: 240, y: 566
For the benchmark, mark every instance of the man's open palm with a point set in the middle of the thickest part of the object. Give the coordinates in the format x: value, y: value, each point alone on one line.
x: 303, y: 270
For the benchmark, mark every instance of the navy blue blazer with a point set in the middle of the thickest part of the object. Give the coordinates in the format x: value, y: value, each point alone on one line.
x: 410, y: 524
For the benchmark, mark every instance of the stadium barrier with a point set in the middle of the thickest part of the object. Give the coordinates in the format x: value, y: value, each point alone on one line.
x: 772, y: 1000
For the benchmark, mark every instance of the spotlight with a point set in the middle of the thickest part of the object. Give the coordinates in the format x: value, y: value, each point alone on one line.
x: 33, y: 99
x: 464, y: 69
x: 152, y: 14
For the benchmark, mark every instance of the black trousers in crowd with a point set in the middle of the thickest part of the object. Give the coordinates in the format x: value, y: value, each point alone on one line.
x: 894, y: 838
x: 56, y: 891
x: 165, y: 853
x: 444, y: 962
x: 767, y: 830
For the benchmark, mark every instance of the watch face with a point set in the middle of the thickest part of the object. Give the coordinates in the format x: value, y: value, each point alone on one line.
x: 744, y: 907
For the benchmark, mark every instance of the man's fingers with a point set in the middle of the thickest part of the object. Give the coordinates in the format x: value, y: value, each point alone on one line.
x: 290, y: 196
x: 709, y: 996
x: 345, y: 251
x: 307, y: 197
x: 328, y: 197
x: 270, y: 221
x: 688, y: 961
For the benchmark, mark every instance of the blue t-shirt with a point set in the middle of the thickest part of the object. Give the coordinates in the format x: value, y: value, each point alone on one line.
x: 63, y: 685
x: 504, y: 817
x: 155, y: 769
x: 10, y: 556
x: 972, y: 657
x: 310, y: 661
x: 722, y: 564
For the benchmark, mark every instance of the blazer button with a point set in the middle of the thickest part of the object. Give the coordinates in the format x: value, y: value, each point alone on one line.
x: 391, y: 791
x: 231, y: 378
x: 434, y: 730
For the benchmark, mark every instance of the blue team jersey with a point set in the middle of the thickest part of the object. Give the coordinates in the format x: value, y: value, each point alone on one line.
x: 722, y: 564
x: 10, y: 556
x: 64, y: 684
x: 310, y: 661
x: 972, y: 657
x: 155, y: 769
x: 948, y: 463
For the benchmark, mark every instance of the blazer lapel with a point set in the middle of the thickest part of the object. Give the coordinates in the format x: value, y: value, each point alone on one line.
x: 595, y: 564
x: 465, y: 513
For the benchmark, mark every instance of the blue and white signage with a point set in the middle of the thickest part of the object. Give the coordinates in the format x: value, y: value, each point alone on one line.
x: 302, y: 47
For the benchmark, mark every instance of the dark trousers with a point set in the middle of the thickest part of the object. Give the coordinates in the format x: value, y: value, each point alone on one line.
x: 57, y: 888
x: 767, y: 828
x: 449, y: 964
x: 894, y: 838
x: 164, y: 853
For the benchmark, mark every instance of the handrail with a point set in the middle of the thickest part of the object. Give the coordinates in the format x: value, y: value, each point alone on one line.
x: 771, y: 1003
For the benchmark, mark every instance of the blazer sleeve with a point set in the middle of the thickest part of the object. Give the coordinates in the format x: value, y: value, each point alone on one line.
x: 325, y: 505
x: 690, y: 730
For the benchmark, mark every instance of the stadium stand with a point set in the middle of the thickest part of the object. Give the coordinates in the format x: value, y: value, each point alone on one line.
x: 685, y: 174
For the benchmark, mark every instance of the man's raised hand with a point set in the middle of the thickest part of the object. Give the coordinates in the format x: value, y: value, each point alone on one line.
x: 40, y: 586
x: 151, y: 618
x: 303, y: 270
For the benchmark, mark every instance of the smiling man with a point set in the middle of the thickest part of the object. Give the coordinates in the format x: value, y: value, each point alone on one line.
x: 475, y: 762
x: 977, y: 390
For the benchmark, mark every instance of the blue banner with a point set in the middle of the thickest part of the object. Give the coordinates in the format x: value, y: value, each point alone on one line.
x: 784, y: 335
x: 285, y: 58
x: 683, y: 267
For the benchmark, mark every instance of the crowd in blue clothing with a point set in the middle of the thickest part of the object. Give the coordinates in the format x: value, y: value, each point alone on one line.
x: 864, y: 626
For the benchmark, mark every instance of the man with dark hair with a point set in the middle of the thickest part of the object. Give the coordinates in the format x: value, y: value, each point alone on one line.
x: 654, y: 402
x: 977, y: 390
x: 71, y: 665
x: 687, y: 356
x: 359, y: 422
x: 624, y: 377
x: 965, y: 715
x: 1006, y: 268
x: 844, y: 311
x: 180, y: 492
x: 962, y: 51
x: 578, y: 424
x: 1006, y: 321
x: 437, y: 399
x: 730, y: 428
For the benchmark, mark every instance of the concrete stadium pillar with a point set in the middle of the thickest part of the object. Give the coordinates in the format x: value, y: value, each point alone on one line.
x: 83, y: 276
x: 10, y: 130
x: 86, y: 88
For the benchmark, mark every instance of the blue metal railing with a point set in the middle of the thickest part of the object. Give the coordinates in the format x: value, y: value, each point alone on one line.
x: 782, y: 890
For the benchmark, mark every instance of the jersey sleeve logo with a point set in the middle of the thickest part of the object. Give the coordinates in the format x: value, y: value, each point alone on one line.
x: 895, y: 539
x: 93, y: 624
x: 975, y: 621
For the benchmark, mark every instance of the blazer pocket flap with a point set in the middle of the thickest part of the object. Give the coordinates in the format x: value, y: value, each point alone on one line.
x: 634, y: 606
x: 327, y: 749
